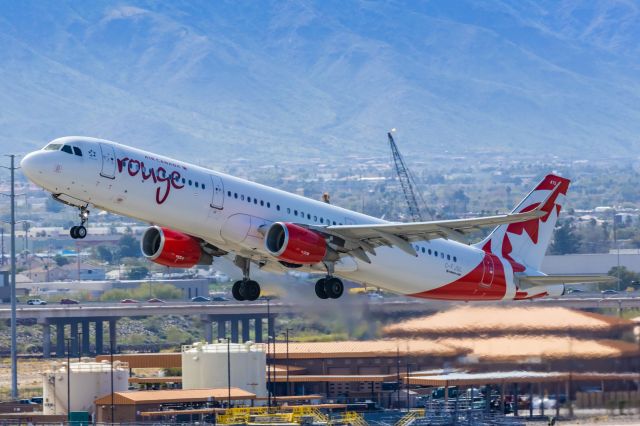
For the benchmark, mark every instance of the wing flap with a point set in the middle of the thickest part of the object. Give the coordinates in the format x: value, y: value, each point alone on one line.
x: 566, y: 279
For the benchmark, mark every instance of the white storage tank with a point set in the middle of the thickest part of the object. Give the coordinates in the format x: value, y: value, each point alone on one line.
x: 88, y: 381
x: 204, y: 366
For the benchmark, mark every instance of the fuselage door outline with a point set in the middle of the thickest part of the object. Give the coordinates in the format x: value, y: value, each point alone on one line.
x: 217, y: 192
x: 108, y: 161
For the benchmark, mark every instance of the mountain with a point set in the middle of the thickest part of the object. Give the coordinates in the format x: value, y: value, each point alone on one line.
x: 274, y: 80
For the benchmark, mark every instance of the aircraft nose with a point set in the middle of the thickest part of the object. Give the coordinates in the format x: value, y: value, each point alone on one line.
x: 31, y: 165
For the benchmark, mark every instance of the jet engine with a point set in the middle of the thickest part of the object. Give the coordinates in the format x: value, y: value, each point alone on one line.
x: 172, y: 248
x: 294, y: 244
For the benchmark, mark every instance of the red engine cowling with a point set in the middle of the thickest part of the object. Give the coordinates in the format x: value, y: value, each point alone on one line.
x: 171, y: 248
x: 295, y: 244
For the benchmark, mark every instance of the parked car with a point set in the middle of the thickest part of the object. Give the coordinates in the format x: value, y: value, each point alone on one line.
x: 609, y: 291
x: 155, y: 300
x: 36, y: 399
x: 129, y: 301
x: 200, y: 299
x: 69, y: 302
x: 36, y: 302
x: 219, y: 299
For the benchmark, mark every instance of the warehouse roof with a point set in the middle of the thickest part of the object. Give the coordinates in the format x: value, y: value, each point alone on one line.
x: 177, y: 395
x: 516, y: 320
x: 365, y: 349
x: 523, y: 348
x: 470, y: 379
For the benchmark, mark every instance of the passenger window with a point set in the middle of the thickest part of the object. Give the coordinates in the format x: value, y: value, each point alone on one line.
x: 248, y: 199
x: 448, y: 257
x: 67, y: 149
x: 295, y: 212
x: 241, y: 197
x: 228, y: 193
x: 435, y: 253
x: 202, y: 186
x: 423, y: 249
x: 334, y: 222
x: 429, y: 252
x: 255, y: 201
x: 321, y: 220
x: 77, y: 151
x: 308, y: 216
x: 261, y: 203
x: 278, y: 207
x: 454, y: 259
x: 235, y: 195
x: 268, y: 205
x: 442, y: 255
x: 315, y: 218
x: 196, y: 184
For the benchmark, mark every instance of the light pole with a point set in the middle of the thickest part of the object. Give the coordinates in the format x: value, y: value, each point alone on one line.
x: 268, y: 352
x: 14, y: 349
x: 68, y: 339
x: 111, y: 359
x: 286, y: 335
x: 228, y: 369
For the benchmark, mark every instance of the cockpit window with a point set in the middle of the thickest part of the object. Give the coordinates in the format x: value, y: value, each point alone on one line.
x: 67, y: 149
x: 52, y: 147
x: 77, y: 151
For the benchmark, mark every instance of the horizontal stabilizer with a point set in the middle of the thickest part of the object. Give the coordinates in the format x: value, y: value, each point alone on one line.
x: 566, y: 279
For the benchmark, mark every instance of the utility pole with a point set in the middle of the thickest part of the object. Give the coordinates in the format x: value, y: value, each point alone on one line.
x: 14, y: 349
x: 2, y: 246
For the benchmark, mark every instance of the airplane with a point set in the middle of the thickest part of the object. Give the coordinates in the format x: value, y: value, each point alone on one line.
x: 196, y: 214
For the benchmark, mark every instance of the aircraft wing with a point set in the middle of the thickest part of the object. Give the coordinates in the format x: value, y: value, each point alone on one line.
x: 361, y: 239
x: 358, y: 240
x: 566, y: 279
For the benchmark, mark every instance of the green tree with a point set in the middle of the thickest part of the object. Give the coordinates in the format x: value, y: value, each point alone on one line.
x: 60, y: 260
x: 627, y: 277
x: 53, y: 206
x: 129, y: 246
x: 104, y: 254
x: 565, y: 240
x: 138, y: 272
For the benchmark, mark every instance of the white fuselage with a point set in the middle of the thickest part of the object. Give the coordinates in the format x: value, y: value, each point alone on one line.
x: 228, y: 212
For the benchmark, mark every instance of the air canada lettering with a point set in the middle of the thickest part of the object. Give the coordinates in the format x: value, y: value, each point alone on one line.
x: 158, y: 175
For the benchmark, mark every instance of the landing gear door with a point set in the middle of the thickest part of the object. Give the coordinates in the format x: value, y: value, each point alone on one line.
x: 217, y: 192
x: 108, y: 161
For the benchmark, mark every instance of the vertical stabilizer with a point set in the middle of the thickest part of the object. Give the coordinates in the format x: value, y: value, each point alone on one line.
x: 524, y: 244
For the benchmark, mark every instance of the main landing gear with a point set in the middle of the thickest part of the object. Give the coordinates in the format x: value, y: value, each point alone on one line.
x: 79, y: 232
x: 246, y: 289
x: 329, y: 287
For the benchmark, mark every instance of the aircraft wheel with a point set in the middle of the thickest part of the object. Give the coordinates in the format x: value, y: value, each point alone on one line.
x: 333, y: 287
x: 81, y: 232
x: 320, y: 289
x: 73, y: 232
x: 235, y: 291
x: 250, y: 290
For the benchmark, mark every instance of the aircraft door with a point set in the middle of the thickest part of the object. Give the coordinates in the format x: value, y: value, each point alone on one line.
x: 489, y: 270
x: 217, y: 192
x: 108, y: 161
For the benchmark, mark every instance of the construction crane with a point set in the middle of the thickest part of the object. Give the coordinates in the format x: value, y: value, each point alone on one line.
x: 406, y: 181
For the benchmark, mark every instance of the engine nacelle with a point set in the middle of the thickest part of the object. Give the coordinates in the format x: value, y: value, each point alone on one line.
x: 172, y: 248
x: 294, y: 244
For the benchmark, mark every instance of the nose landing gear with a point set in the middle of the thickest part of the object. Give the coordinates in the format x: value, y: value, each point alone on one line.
x: 79, y: 232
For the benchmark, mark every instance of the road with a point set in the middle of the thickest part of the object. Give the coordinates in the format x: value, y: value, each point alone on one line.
x: 393, y: 305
